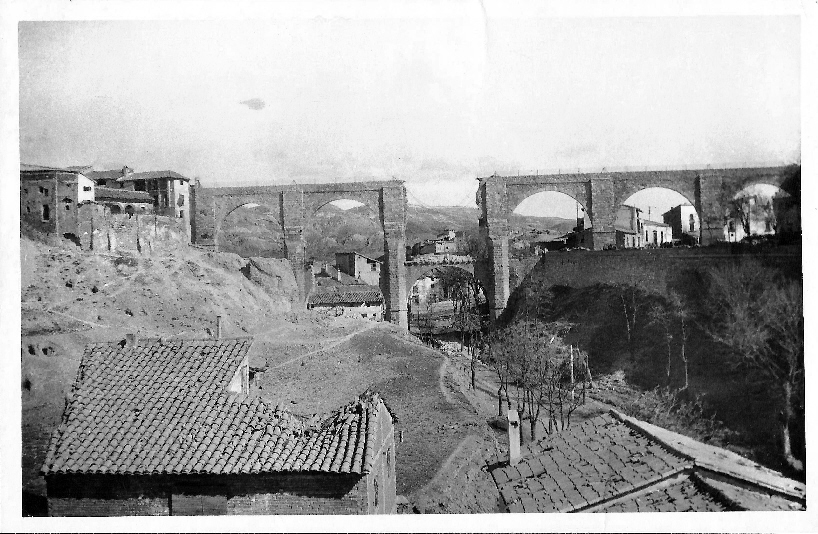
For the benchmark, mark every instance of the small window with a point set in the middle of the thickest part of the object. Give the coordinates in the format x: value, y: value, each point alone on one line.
x: 692, y: 223
x: 42, y: 190
x: 67, y: 207
x: 45, y: 213
x: 374, y: 267
x: 28, y: 209
x: 182, y: 214
x: 181, y: 200
x: 731, y: 226
x: 25, y: 190
x: 86, y: 188
x: 376, y: 492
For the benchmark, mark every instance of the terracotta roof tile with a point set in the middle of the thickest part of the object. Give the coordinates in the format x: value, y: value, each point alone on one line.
x: 162, y: 408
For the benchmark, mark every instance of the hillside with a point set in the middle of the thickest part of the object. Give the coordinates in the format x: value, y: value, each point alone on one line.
x: 591, y: 290
x: 314, y: 362
x: 255, y: 231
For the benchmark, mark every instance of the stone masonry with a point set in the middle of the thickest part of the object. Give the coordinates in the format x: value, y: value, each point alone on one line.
x: 601, y: 194
x: 296, y: 204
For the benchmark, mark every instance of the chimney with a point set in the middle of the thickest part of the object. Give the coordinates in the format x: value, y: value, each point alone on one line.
x: 513, y: 437
x: 130, y: 339
x: 218, y: 327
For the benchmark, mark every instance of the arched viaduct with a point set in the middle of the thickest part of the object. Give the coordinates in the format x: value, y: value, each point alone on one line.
x: 296, y: 204
x: 601, y: 194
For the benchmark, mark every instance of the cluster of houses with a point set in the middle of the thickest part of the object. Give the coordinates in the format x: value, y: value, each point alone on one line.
x: 50, y: 197
x: 350, y: 286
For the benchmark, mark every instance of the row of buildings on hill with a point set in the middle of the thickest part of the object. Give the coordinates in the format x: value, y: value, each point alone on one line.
x: 50, y: 197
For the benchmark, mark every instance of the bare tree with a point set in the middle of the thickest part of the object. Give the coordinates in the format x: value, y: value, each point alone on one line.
x: 681, y: 312
x: 760, y: 319
x: 660, y: 316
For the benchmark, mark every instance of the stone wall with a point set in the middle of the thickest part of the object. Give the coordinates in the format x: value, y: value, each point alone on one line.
x: 651, y: 269
x: 280, y: 493
x: 100, y: 231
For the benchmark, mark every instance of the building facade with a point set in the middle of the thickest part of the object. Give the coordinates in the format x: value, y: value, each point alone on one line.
x: 656, y: 233
x: 629, y: 228
x: 359, y: 266
x: 50, y: 198
x: 159, y: 427
x: 684, y: 223
x: 361, y: 301
x: 169, y: 190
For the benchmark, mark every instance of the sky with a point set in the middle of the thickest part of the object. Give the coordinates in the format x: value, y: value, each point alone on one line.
x: 435, y: 101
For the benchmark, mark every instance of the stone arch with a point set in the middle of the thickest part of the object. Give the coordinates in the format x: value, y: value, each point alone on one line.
x: 225, y: 205
x: 314, y: 201
x: 576, y: 190
x: 271, y: 231
x: 416, y: 272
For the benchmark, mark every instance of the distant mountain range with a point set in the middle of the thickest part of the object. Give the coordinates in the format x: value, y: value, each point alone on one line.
x: 256, y: 232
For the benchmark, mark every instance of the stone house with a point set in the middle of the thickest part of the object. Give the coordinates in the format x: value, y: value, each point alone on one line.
x: 656, y: 233
x: 170, y: 190
x: 157, y: 427
x: 358, y: 266
x: 50, y: 197
x: 684, y: 222
x: 628, y: 226
x: 364, y: 301
x: 615, y: 463
x: 124, y: 201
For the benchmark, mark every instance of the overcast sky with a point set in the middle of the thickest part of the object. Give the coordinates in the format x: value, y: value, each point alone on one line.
x: 433, y: 101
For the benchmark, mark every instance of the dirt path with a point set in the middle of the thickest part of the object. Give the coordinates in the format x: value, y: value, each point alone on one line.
x: 333, y: 344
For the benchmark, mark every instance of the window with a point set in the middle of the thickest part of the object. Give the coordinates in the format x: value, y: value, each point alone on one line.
x: 42, y: 190
x: 731, y: 226
x: 374, y: 267
x: 67, y: 207
x: 376, y: 491
x: 45, y: 213
x: 181, y: 200
x: 182, y: 214
x: 692, y: 223
x: 25, y: 190
x: 28, y: 209
x: 768, y: 227
x: 86, y: 188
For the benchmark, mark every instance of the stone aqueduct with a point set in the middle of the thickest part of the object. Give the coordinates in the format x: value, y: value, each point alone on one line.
x: 601, y: 194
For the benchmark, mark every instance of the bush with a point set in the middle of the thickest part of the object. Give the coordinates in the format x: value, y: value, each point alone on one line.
x: 663, y: 407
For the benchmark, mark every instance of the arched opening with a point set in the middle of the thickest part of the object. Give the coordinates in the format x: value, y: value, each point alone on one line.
x: 129, y: 210
x: 656, y: 217
x: 253, y: 230
x: 346, y: 237
x: 761, y: 211
x: 115, y: 209
x: 447, y: 302
x: 547, y: 221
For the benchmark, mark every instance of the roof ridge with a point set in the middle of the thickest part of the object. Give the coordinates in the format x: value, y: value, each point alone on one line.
x: 717, y: 459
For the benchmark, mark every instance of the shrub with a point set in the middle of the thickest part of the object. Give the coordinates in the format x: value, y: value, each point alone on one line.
x: 663, y: 407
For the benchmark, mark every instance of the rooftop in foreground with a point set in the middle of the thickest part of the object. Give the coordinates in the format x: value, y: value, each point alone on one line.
x: 614, y: 463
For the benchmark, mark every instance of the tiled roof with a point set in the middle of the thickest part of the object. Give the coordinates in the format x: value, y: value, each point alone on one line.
x: 105, y: 175
x: 589, y: 462
x: 162, y: 408
x: 339, y: 298
x: 150, y: 175
x: 26, y: 167
x: 611, y: 463
x: 107, y: 193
